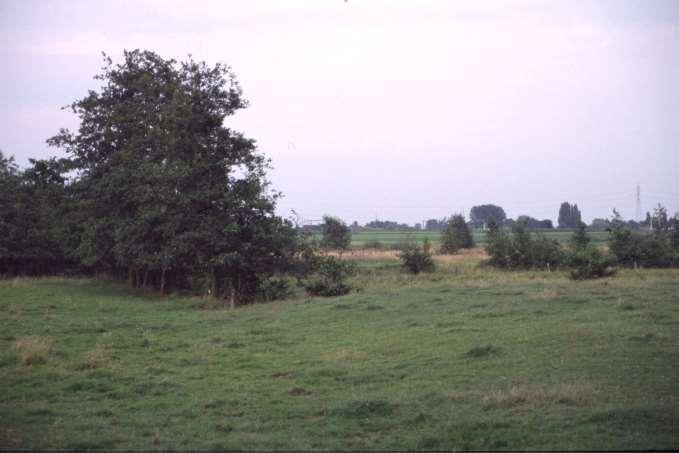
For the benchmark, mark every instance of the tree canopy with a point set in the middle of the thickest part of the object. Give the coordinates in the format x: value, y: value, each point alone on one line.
x: 164, y: 189
x: 336, y: 233
x: 482, y: 215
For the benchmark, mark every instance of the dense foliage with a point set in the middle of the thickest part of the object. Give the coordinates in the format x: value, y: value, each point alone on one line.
x: 435, y: 224
x: 417, y: 259
x: 36, y: 225
x: 569, y: 215
x: 481, y: 216
x: 586, y: 260
x: 635, y: 249
x: 533, y: 223
x: 456, y: 235
x: 336, y: 233
x: 590, y: 262
x: 522, y: 249
x: 329, y: 277
x: 161, y: 190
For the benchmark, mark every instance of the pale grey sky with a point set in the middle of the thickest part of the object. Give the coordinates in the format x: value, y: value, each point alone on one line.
x: 398, y: 110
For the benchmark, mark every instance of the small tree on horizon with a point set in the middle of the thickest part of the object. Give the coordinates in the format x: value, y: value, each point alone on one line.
x: 336, y: 233
x: 482, y: 215
x: 456, y: 235
x: 569, y: 215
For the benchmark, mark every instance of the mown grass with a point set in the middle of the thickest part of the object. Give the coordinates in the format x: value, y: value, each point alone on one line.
x: 464, y: 358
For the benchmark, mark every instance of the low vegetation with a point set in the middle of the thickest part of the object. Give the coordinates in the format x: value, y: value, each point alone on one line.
x: 416, y: 258
x: 465, y: 357
x: 522, y: 249
x: 33, y: 350
x: 330, y: 277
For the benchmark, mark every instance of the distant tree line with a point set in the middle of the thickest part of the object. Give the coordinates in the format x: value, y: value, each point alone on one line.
x: 481, y: 216
x: 388, y: 225
x: 522, y: 249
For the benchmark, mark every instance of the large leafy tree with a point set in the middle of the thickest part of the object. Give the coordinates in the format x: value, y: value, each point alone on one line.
x: 169, y: 193
x: 481, y: 216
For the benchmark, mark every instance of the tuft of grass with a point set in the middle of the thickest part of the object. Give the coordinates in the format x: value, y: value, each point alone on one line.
x: 299, y: 391
x: 345, y: 355
x: 33, y: 349
x: 575, y: 393
x: 547, y: 295
x: 94, y: 358
x: 365, y: 409
x: 482, y: 351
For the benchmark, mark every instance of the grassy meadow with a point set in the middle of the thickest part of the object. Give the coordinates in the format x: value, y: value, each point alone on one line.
x: 464, y: 358
x: 390, y: 239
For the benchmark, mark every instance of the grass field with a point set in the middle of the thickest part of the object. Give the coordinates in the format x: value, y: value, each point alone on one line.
x: 392, y: 238
x: 464, y: 358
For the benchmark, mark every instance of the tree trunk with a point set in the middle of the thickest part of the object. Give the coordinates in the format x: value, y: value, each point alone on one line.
x: 162, y: 282
x: 232, y: 297
x: 130, y: 276
x: 214, y: 289
x: 146, y: 278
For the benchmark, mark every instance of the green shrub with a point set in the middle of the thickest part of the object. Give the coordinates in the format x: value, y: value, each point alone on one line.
x: 417, y: 259
x: 522, y: 249
x: 546, y: 253
x: 633, y: 249
x: 330, y: 277
x: 625, y: 246
x: 273, y: 288
x: 498, y: 246
x: 590, y: 262
x: 580, y: 239
x: 656, y: 250
x: 674, y: 235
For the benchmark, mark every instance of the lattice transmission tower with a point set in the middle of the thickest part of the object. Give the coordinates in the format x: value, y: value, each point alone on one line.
x: 638, y: 210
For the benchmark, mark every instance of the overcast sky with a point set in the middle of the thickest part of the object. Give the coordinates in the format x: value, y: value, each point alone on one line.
x: 397, y: 110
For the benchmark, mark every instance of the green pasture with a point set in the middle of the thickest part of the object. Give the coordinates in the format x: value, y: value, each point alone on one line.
x: 465, y: 358
x: 393, y: 238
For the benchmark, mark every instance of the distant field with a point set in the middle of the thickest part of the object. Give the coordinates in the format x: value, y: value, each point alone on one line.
x: 390, y: 238
x: 465, y: 358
